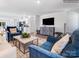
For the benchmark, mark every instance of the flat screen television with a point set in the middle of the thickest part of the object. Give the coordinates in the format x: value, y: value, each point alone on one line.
x: 48, y: 21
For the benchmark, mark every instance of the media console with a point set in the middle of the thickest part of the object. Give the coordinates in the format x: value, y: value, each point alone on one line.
x: 47, y: 30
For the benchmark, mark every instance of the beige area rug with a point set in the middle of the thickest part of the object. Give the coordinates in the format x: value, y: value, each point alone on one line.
x: 41, y: 40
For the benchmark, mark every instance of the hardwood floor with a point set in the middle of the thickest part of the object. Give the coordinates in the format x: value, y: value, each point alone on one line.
x: 41, y: 40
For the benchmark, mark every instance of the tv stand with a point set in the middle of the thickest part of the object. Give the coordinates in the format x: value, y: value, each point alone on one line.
x: 47, y: 30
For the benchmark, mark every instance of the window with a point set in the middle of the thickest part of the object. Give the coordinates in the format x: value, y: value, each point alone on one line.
x: 2, y: 24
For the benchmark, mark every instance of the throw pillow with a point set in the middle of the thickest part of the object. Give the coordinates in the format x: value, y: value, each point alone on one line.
x: 13, y: 30
x: 60, y: 45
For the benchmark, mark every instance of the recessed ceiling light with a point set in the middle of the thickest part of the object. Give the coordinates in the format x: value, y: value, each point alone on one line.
x: 38, y: 1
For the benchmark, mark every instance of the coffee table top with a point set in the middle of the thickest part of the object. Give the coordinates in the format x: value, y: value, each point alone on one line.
x: 25, y: 40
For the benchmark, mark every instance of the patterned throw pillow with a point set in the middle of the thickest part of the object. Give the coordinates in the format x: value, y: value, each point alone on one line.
x: 60, y: 45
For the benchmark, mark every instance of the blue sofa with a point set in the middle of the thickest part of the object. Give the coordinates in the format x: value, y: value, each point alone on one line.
x: 71, y: 50
x: 10, y: 35
x: 43, y: 50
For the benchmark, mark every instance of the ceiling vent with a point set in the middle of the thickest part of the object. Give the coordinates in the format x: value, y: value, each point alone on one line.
x: 71, y: 1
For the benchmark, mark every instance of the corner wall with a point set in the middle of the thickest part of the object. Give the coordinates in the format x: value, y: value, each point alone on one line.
x: 72, y: 21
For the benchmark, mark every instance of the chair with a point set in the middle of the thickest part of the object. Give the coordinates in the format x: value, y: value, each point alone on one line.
x: 10, y: 34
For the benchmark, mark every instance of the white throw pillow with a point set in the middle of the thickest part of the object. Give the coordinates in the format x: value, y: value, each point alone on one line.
x: 13, y: 30
x: 60, y: 45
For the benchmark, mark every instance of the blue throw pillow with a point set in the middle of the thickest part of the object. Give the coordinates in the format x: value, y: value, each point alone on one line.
x: 52, y: 39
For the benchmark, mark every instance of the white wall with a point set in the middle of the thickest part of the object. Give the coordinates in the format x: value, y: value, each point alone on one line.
x: 72, y: 21
x: 60, y: 19
x: 32, y: 24
x: 37, y: 22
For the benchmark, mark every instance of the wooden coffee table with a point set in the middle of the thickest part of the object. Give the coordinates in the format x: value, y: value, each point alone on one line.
x: 24, y: 42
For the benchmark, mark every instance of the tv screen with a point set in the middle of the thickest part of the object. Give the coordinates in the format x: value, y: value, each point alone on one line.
x: 48, y: 21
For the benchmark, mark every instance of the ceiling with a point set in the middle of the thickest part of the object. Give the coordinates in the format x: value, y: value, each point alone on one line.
x: 32, y: 7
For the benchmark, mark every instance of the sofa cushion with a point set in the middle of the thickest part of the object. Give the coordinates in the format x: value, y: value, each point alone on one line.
x: 47, y: 45
x: 60, y: 45
x: 75, y: 39
x: 70, y: 51
x: 52, y: 39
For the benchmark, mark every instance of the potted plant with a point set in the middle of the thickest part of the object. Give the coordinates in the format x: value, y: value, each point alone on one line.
x: 25, y: 35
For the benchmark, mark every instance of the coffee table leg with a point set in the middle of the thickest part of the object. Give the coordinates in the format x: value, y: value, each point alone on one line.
x: 19, y: 45
x: 24, y: 48
x: 16, y: 43
x: 13, y: 41
x: 37, y: 42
